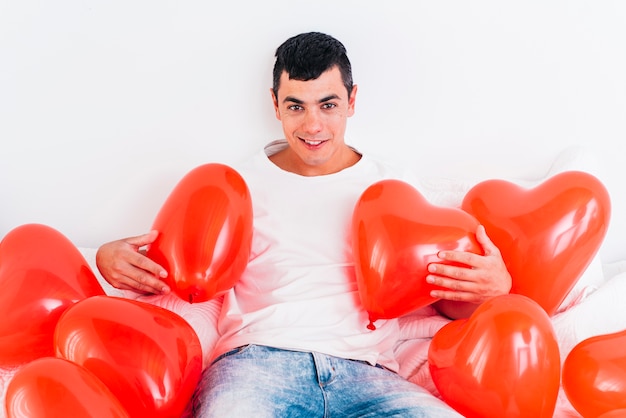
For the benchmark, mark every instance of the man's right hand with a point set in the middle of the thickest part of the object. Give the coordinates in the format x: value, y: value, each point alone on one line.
x: 123, y: 265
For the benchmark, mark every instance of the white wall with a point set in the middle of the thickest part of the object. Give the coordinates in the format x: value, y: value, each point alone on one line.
x: 104, y: 106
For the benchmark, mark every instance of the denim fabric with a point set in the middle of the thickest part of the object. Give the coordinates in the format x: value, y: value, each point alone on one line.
x: 265, y: 382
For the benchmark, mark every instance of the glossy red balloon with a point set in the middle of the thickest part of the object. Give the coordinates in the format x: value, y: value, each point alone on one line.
x: 396, y: 233
x: 41, y: 275
x: 51, y: 387
x: 594, y: 375
x: 547, y: 235
x: 615, y: 413
x: 150, y: 358
x: 205, y: 234
x: 503, y: 361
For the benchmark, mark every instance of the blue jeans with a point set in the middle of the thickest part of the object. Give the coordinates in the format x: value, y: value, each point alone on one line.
x: 265, y: 382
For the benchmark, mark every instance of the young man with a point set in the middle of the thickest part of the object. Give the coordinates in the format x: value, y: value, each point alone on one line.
x: 293, y: 336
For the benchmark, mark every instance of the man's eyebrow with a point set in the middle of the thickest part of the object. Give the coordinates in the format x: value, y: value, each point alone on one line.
x: 292, y: 99
x: 329, y: 98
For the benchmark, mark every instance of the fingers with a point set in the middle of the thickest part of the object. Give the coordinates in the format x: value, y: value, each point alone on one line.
x: 489, y: 248
x: 456, y: 283
x: 456, y: 296
x: 140, y: 281
x: 142, y: 240
x: 144, y: 264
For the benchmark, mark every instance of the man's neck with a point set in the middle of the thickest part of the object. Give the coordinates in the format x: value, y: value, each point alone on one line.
x: 287, y: 160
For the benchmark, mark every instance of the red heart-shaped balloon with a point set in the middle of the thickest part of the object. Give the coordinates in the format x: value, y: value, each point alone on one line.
x: 615, y: 413
x: 503, y: 361
x: 205, y: 232
x: 54, y: 387
x: 594, y: 375
x: 150, y: 358
x: 396, y: 233
x: 548, y: 234
x: 41, y: 275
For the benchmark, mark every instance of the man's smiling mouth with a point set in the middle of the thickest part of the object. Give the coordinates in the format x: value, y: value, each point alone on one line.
x: 311, y: 142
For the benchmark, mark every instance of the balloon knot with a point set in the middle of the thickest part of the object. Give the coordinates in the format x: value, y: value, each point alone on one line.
x: 371, y: 326
x: 190, y: 298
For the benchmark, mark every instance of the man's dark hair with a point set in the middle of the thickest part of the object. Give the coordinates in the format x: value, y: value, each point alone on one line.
x: 307, y: 55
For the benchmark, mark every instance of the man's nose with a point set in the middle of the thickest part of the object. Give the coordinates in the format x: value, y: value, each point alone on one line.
x: 313, y: 121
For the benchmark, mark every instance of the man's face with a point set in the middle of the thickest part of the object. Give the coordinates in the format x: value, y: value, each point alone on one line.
x: 314, y: 115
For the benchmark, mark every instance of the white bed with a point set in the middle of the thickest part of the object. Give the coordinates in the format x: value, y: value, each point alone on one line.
x: 593, y: 307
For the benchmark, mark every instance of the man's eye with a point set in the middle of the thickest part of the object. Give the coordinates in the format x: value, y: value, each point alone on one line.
x: 328, y: 106
x: 295, y: 107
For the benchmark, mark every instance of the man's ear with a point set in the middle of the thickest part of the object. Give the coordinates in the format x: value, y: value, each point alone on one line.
x: 275, y: 101
x: 352, y: 100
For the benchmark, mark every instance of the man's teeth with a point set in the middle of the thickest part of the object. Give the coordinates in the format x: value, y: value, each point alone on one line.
x: 312, y: 142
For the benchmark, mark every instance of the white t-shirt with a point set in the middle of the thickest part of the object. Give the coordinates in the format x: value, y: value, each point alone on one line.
x: 299, y: 290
